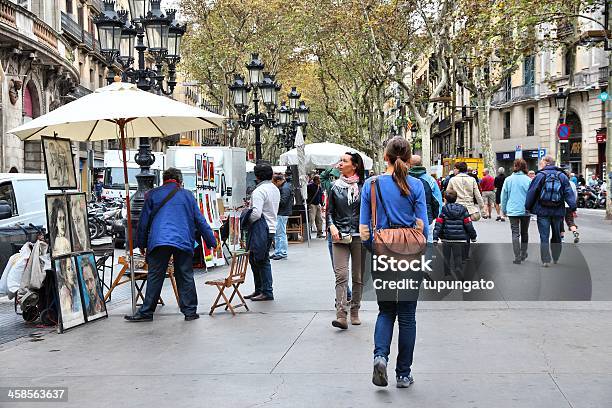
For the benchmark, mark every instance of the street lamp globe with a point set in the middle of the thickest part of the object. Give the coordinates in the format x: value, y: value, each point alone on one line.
x: 561, y: 98
x: 255, y: 67
x: 294, y: 97
x: 277, y: 88
x: 267, y: 87
x: 109, y: 25
x: 278, y: 130
x: 303, y: 112
x: 238, y: 90
x: 157, y: 26
x: 284, y: 114
x: 126, y: 45
x: 175, y: 35
x: 138, y: 9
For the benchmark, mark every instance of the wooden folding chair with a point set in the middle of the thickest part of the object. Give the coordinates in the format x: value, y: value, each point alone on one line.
x: 236, y: 277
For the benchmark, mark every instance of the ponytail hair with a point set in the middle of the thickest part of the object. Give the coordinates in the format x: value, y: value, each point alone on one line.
x: 398, y: 154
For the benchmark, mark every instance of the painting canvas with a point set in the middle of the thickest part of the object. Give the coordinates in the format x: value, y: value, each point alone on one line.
x: 79, y: 230
x: 93, y: 299
x: 198, y: 169
x: 59, y: 165
x: 58, y: 224
x: 69, y: 293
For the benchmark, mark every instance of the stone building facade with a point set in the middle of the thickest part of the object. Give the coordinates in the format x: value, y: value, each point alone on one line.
x: 49, y: 56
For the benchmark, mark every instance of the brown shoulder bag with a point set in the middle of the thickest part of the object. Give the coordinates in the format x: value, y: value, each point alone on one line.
x: 396, y: 239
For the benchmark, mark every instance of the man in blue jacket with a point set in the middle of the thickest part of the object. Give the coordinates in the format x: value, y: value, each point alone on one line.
x: 546, y: 198
x: 167, y: 228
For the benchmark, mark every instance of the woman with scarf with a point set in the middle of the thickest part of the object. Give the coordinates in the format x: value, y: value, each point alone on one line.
x: 343, y: 224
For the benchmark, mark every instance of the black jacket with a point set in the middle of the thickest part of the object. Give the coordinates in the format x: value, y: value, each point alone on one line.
x: 285, y: 206
x: 340, y: 214
x: 454, y: 224
x: 257, y: 238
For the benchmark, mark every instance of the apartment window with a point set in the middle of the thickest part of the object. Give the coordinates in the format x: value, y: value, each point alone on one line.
x: 80, y: 16
x: 100, y: 81
x: 530, y: 121
x: 529, y: 70
x: 92, y: 78
x: 69, y: 8
x: 569, y: 61
x: 506, y: 125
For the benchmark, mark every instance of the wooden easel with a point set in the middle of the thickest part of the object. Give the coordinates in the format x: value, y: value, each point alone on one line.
x: 140, y: 278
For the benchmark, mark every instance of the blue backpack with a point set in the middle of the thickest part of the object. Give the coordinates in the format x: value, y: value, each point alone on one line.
x: 551, y: 190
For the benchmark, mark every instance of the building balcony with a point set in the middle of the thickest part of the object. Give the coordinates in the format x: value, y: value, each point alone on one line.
x: 530, y: 130
x: 71, y: 29
x: 603, y: 75
x: 97, y: 5
x: 506, y: 133
x: 88, y: 41
x: 502, y: 96
x: 524, y: 92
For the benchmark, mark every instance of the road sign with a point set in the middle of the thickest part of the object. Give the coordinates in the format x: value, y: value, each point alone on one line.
x: 563, y: 131
x: 541, y: 153
x: 603, y: 96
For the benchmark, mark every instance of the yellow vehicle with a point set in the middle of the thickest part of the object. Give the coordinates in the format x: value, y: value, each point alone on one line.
x: 472, y: 162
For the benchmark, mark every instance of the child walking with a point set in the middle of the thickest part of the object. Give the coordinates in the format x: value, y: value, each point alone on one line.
x: 454, y: 227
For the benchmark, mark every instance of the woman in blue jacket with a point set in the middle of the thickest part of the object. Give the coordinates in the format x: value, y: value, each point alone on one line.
x: 513, y: 197
x: 404, y: 198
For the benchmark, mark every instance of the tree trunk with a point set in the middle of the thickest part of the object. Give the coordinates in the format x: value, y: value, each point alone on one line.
x: 484, y: 131
x: 424, y: 133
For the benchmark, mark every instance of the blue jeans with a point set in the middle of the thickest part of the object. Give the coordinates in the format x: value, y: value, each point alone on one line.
x: 183, y: 273
x: 280, y: 237
x: 545, y: 225
x: 383, y: 333
x: 262, y: 272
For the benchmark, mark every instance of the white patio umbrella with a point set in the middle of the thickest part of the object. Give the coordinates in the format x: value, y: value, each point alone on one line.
x: 119, y: 110
x: 321, y: 155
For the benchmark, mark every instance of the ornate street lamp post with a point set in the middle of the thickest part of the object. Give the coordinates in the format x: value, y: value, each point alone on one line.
x: 291, y: 118
x: 561, y: 100
x: 119, y: 36
x: 258, y: 82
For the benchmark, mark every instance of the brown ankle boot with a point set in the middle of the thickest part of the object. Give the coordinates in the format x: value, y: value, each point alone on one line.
x: 355, y: 317
x: 340, y: 321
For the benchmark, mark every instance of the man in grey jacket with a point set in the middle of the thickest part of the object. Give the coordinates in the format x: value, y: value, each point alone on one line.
x: 285, y: 208
x: 264, y: 202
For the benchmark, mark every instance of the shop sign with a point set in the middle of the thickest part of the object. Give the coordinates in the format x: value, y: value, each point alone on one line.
x: 601, y: 134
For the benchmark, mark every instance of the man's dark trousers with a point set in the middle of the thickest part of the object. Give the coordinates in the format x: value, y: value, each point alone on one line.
x: 157, y: 262
x: 262, y: 271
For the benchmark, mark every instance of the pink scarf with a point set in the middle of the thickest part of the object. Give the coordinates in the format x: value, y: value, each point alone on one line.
x: 351, y: 184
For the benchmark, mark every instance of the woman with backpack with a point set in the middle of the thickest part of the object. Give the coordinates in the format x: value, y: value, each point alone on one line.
x: 343, y: 223
x: 400, y: 206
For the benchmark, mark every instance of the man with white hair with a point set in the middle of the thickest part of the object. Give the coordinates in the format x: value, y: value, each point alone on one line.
x: 546, y: 198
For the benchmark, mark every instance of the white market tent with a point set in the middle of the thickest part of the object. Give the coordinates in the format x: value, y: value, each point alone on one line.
x: 322, y: 155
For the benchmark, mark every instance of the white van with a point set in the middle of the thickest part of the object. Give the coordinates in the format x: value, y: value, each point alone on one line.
x: 114, y: 180
x: 25, y: 196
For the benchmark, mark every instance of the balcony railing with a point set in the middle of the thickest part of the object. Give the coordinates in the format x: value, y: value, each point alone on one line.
x: 71, y: 28
x: 502, y: 96
x: 583, y: 79
x: 530, y: 130
x: 8, y: 14
x: 603, y: 75
x: 88, y: 41
x: 523, y: 92
x: 506, y: 133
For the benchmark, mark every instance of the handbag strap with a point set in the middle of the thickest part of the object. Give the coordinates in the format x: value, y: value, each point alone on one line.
x: 154, y: 213
x: 373, y: 201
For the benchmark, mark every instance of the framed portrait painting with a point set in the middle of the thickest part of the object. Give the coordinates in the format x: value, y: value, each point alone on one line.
x: 93, y: 299
x: 58, y: 223
x: 71, y: 312
x: 79, y: 226
x: 59, y: 165
x: 198, y: 170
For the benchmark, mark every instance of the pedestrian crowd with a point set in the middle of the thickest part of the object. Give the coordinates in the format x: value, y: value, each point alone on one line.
x: 352, y: 211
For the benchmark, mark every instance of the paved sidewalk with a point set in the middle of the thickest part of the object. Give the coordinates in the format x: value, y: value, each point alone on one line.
x: 286, y: 354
